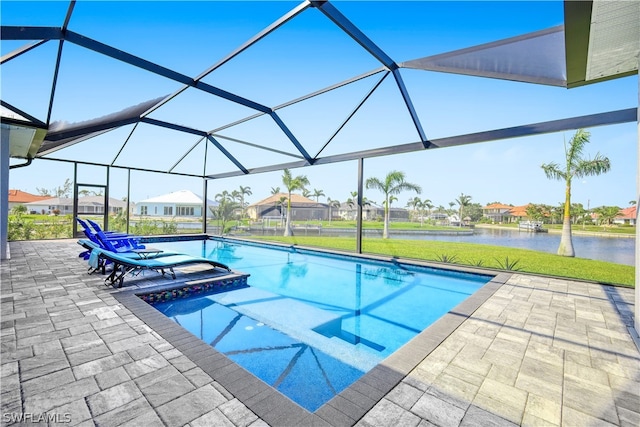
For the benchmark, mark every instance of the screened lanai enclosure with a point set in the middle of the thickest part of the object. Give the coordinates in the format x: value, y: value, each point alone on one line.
x: 129, y: 98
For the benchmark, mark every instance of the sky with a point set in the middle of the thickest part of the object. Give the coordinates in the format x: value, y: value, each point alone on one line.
x: 304, y: 55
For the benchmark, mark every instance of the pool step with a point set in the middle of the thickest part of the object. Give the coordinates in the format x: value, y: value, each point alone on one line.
x: 222, y: 283
x: 225, y: 276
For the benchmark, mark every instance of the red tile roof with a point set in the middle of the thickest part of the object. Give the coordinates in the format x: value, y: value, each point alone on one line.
x: 18, y: 196
x: 497, y: 206
x: 627, y: 213
x: 519, y: 211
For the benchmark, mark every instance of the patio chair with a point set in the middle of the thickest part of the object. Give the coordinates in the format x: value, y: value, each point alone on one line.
x: 131, y: 240
x: 99, y: 264
x: 115, y: 242
x: 124, y: 265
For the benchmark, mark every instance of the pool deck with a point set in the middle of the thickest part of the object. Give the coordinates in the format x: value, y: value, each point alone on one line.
x: 524, y: 350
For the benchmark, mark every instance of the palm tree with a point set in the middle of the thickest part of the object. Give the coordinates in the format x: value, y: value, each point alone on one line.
x: 415, y: 205
x: 607, y: 214
x: 463, y: 201
x: 281, y: 203
x: 428, y: 205
x: 275, y: 190
x: 332, y: 204
x: 224, y: 211
x: 352, y: 202
x: 578, y: 167
x: 292, y: 183
x: 392, y: 185
x: 243, y: 191
x: 317, y: 194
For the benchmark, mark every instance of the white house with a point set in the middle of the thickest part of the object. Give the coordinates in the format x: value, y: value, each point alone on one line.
x: 183, y: 203
x: 91, y: 205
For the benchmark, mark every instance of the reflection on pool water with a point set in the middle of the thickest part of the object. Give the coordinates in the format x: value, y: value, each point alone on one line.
x: 310, y: 324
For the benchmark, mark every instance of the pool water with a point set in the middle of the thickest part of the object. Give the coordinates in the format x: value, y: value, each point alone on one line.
x: 310, y: 324
x: 305, y: 374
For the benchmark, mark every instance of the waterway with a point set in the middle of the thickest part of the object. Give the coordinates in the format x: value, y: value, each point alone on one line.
x: 620, y: 250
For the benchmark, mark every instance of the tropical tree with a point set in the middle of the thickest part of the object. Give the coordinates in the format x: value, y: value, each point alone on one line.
x: 19, y: 210
x: 317, y: 194
x: 281, y: 204
x: 392, y: 185
x: 306, y: 193
x: 244, y: 191
x: 332, y: 204
x: 352, y: 202
x: 225, y: 209
x: 63, y: 191
x: 275, y: 190
x: 292, y: 183
x: 415, y: 205
x: 607, y: 214
x: 473, y: 211
x: 428, y: 205
x: 536, y: 212
x: 576, y: 166
x: 463, y: 201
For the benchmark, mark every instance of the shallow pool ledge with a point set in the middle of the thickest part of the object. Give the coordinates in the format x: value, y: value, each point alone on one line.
x: 272, y: 406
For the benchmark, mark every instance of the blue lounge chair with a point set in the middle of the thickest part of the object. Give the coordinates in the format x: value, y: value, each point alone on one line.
x: 135, y: 240
x: 115, y: 242
x: 124, y: 265
x: 99, y: 264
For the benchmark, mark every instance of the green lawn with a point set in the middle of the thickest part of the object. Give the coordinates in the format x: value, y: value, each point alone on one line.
x: 472, y: 254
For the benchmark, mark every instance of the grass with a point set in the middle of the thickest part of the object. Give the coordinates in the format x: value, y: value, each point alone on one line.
x: 473, y: 254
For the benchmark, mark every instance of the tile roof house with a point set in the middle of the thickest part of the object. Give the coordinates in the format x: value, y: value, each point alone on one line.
x: 497, y: 212
x: 90, y: 205
x: 519, y: 213
x: 183, y: 203
x: 19, y: 197
x: 302, y: 208
x: 626, y: 216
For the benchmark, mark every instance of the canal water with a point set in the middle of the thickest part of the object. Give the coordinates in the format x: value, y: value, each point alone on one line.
x: 620, y: 250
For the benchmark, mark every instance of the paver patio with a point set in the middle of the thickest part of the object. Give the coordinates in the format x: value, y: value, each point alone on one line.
x: 538, y: 351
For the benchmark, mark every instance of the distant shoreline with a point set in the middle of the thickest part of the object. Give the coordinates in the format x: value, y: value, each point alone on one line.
x: 573, y: 231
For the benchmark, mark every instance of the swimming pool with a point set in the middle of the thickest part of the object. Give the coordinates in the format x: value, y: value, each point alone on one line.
x: 314, y: 312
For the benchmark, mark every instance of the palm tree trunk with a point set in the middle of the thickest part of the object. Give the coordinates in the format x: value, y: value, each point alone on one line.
x: 385, y: 231
x: 287, y: 227
x: 566, y: 242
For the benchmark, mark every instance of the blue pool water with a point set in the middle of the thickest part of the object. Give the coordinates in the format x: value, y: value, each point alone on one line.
x: 310, y: 324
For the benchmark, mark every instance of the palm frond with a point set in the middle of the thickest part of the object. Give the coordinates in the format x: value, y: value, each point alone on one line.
x: 596, y: 166
x: 552, y: 171
x: 576, y: 146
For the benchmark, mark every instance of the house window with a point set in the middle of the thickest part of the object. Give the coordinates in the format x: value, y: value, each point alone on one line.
x: 168, y: 210
x: 185, y: 211
x: 143, y: 210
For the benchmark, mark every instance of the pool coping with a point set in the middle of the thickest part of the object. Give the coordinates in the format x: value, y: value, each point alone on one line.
x: 348, y: 406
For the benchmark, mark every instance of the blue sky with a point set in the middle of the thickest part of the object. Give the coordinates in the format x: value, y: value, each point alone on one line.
x: 307, y: 54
